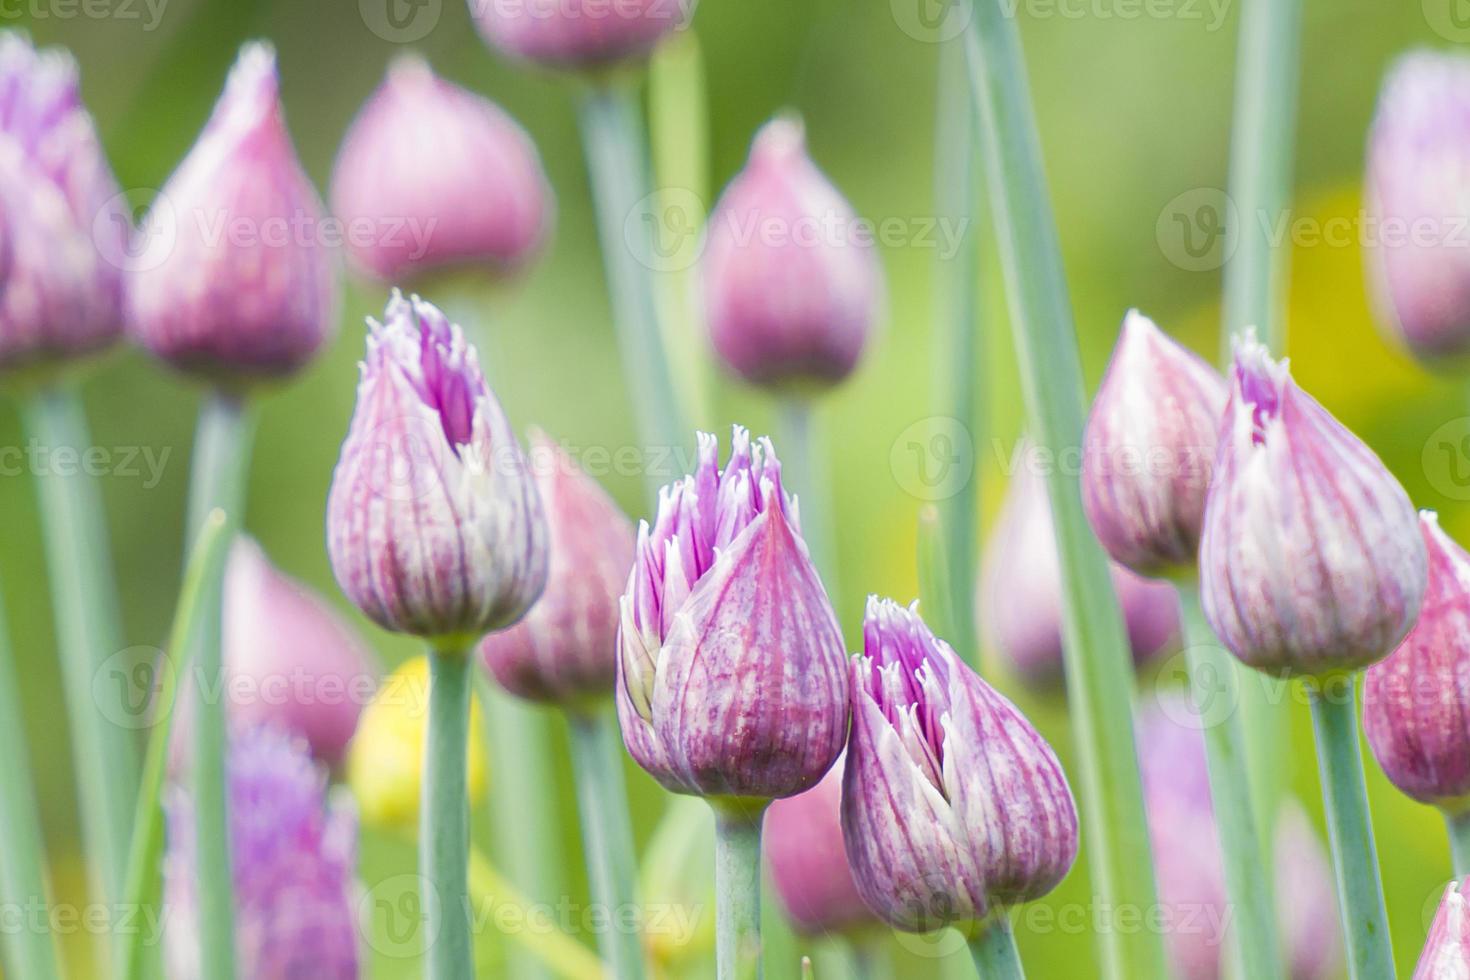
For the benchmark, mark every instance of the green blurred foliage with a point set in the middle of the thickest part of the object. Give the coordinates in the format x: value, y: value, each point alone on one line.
x: 1133, y: 112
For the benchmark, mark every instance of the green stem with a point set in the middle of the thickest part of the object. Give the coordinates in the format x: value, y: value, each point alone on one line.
x: 145, y: 851
x: 807, y: 472
x: 444, y: 817
x: 960, y: 334
x: 615, y: 144
x: 1099, y: 668
x: 995, y: 953
x: 607, y: 835
x: 738, y: 888
x: 1458, y: 827
x: 220, y: 468
x: 1213, y: 677
x: 1345, y: 794
x: 30, y: 950
x: 84, y: 600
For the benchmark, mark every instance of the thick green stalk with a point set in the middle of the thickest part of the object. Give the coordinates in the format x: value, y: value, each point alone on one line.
x: 995, y: 953
x: 607, y: 835
x: 1099, y: 668
x: 615, y: 144
x: 807, y: 473
x: 84, y: 601
x: 959, y: 333
x: 220, y: 470
x: 145, y: 851
x: 1213, y: 679
x: 30, y: 951
x: 444, y: 817
x: 1458, y: 826
x: 738, y: 888
x: 1354, y: 854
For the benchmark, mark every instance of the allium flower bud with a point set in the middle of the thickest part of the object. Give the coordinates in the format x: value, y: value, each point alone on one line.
x: 791, y: 293
x: 385, y: 763
x: 1150, y: 443
x: 579, y: 33
x: 732, y: 679
x: 1021, y: 592
x: 952, y: 804
x: 1418, y: 177
x: 432, y: 175
x: 802, y: 840
x: 1414, y: 701
x: 294, y: 854
x: 1446, y: 954
x: 235, y: 279
x: 434, y: 525
x: 64, y: 226
x: 565, y: 649
x: 1311, y: 560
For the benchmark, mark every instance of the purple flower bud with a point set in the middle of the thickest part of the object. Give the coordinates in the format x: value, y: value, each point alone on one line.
x: 1150, y: 443
x: 1414, y: 701
x: 791, y: 293
x: 1418, y: 176
x: 802, y: 840
x: 434, y: 524
x: 1306, y: 898
x: 565, y: 650
x: 294, y: 855
x: 732, y: 678
x: 432, y: 175
x: 578, y: 33
x: 64, y: 226
x: 235, y: 279
x: 1311, y: 560
x: 952, y: 803
x: 1446, y: 953
x: 1021, y: 592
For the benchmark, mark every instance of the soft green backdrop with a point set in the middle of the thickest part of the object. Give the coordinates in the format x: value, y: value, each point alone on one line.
x: 1134, y: 110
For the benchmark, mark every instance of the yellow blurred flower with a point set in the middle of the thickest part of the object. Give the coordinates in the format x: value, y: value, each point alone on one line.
x: 386, y: 758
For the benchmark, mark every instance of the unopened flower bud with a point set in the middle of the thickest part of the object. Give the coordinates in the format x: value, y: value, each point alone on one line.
x: 1446, y: 954
x: 235, y: 277
x: 432, y: 175
x: 1311, y: 560
x: 578, y: 34
x: 732, y: 678
x: 791, y: 290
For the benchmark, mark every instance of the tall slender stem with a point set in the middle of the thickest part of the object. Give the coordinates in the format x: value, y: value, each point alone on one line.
x: 30, y: 950
x: 738, y: 889
x: 607, y: 835
x: 617, y: 157
x: 1099, y: 669
x: 808, y: 473
x: 444, y: 817
x: 219, y: 472
x: 1458, y: 826
x: 1354, y: 853
x: 995, y: 953
x: 84, y: 601
x: 1213, y: 679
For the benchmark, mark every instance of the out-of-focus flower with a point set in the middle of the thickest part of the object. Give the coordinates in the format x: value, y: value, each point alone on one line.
x: 1311, y: 560
x: 952, y: 803
x: 1413, y: 702
x: 791, y: 294
x: 64, y: 226
x: 1446, y: 954
x: 434, y: 524
x: 565, y: 649
x: 432, y: 175
x: 385, y: 762
x: 234, y: 276
x: 1418, y: 179
x: 578, y: 33
x: 732, y: 679
x: 294, y: 854
x: 677, y: 874
x: 1188, y: 865
x: 1150, y: 443
x: 803, y: 844
x: 1021, y: 592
